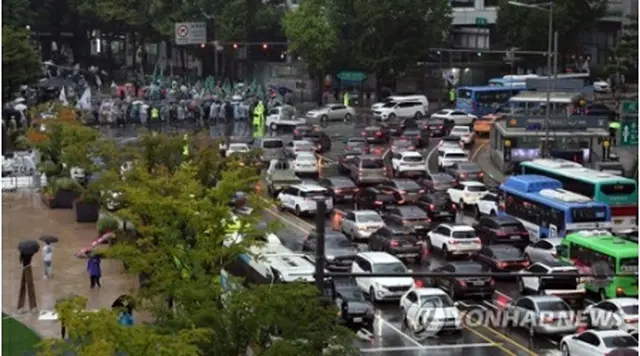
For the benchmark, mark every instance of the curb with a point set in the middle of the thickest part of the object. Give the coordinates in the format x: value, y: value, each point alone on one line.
x: 493, y: 181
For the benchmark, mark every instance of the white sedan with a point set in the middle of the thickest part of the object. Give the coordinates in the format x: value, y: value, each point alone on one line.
x: 616, y: 313
x: 456, y: 116
x: 596, y: 343
x: 305, y: 163
x: 237, y: 148
x: 430, y: 310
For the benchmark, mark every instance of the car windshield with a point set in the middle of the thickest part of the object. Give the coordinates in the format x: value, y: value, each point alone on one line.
x: 337, y: 242
x: 460, y: 131
x: 369, y: 218
x: 436, y: 301
x: 342, y: 183
x: 443, y: 112
x: 476, y: 188
x: 411, y: 133
x: 508, y: 254
x: 619, y: 341
x: 412, y: 158
x: 407, y: 185
x: 463, y: 234
x: 272, y: 144
x: 553, y: 306
x: 389, y: 104
x: 390, y: 267
x: 455, y: 155
x: 314, y: 194
x: 306, y: 158
x: 402, y: 143
x: 442, y: 178
x: 373, y: 163
x: 630, y: 309
x: 352, y: 294
x: 469, y: 167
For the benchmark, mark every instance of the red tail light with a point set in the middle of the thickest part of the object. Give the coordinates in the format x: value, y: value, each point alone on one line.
x: 363, y: 133
x: 463, y: 175
x: 421, y: 191
x: 501, y: 264
x: 492, y: 282
x: 377, y: 202
x: 462, y: 283
x: 411, y: 148
x: 480, y: 174
x: 356, y: 190
x: 394, y: 243
x: 554, y: 255
x: 525, y: 263
x: 347, y: 147
x: 337, y: 191
x: 378, y: 133
x: 439, y: 127
x: 296, y: 132
x: 454, y: 207
x: 453, y: 242
x: 432, y: 207
x: 501, y: 206
x: 501, y: 233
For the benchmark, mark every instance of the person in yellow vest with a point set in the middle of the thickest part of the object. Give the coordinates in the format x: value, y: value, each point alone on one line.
x: 155, y: 118
x: 452, y: 96
x: 346, y: 98
x: 614, y: 127
x: 185, y: 146
x: 258, y: 120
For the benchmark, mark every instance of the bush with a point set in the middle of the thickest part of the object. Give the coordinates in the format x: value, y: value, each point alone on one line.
x: 107, y: 224
x: 68, y: 184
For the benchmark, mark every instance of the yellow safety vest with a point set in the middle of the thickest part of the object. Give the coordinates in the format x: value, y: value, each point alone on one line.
x: 155, y: 114
x: 452, y: 95
x: 183, y: 270
x: 346, y: 99
x: 185, y: 147
x: 232, y: 227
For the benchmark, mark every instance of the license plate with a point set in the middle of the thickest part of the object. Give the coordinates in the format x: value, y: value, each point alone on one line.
x: 479, y: 283
x: 466, y: 242
x: 348, y: 196
x: 515, y: 237
x: 357, y: 320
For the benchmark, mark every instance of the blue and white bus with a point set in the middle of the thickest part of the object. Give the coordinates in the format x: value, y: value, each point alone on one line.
x: 483, y: 100
x: 547, y: 210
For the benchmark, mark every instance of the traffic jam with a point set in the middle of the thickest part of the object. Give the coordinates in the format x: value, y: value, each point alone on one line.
x: 405, y: 195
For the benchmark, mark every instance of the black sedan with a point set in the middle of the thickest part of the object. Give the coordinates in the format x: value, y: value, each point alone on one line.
x: 501, y: 258
x: 464, y: 287
x: 345, y: 160
x: 354, y: 309
x: 299, y: 131
x: 375, y: 134
x: 356, y: 144
x: 405, y: 190
x: 464, y: 171
x: 409, y: 216
x: 341, y: 189
x: 372, y: 198
x: 439, y: 127
x: 395, y: 127
x: 397, y: 240
x: 438, y: 206
x: 415, y: 136
x: 437, y: 182
x: 339, y: 251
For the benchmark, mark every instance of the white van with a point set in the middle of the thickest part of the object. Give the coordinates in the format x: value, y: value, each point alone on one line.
x: 398, y: 98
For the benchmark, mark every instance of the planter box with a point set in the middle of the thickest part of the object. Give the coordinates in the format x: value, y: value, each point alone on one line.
x: 86, y: 212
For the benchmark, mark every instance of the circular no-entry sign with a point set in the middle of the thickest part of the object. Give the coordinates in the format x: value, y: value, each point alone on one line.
x: 183, y: 31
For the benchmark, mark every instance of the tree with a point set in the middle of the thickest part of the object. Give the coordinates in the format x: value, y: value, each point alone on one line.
x: 181, y: 246
x: 99, y: 334
x: 527, y: 28
x: 626, y: 50
x: 16, y: 14
x: 388, y: 37
x: 21, y: 63
x: 313, y: 36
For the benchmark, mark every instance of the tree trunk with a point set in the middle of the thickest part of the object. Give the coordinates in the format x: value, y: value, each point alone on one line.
x: 320, y: 86
x: 379, y: 85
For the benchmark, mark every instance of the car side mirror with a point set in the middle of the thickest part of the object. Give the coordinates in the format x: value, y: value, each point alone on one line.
x: 456, y: 304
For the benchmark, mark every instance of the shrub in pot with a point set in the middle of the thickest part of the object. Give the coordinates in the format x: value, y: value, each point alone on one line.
x: 107, y: 224
x: 66, y: 191
x: 87, y: 207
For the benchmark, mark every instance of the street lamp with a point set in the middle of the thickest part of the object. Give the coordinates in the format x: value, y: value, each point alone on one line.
x: 551, y: 51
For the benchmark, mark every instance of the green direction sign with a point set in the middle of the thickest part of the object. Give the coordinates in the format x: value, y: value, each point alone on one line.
x: 351, y: 76
x: 481, y: 21
x: 629, y: 133
x: 629, y: 107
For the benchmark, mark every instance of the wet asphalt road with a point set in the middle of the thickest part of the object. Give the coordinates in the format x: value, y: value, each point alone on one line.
x: 390, y: 338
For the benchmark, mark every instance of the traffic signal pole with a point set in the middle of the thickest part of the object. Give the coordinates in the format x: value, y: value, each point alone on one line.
x: 321, y: 213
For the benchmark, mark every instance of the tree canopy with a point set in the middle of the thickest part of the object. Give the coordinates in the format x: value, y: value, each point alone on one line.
x: 179, y: 246
x: 524, y: 27
x: 626, y: 50
x: 21, y: 63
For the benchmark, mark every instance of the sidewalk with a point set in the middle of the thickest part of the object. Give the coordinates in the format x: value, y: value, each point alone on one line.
x: 25, y: 217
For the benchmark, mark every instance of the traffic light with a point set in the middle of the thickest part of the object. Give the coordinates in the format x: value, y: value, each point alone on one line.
x: 265, y: 46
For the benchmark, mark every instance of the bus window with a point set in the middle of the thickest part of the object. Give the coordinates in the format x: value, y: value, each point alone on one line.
x: 579, y: 215
x: 563, y: 251
x: 618, y: 189
x: 464, y: 94
x: 628, y: 265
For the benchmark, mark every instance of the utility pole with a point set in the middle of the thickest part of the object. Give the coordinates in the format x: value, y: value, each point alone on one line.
x: 321, y: 212
x: 547, y: 119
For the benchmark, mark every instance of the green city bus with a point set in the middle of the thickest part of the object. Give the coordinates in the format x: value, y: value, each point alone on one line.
x: 620, y: 193
x: 583, y: 249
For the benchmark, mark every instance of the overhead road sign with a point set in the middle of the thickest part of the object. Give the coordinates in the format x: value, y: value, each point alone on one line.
x: 190, y: 33
x: 351, y: 76
x: 629, y: 133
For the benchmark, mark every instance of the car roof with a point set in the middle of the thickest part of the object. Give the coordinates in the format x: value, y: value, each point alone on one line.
x: 624, y: 301
x: 411, y: 153
x: 456, y: 226
x: 472, y: 184
x: 461, y: 127
x: 544, y: 298
x: 429, y: 291
x: 366, y: 212
x: 379, y: 257
x: 309, y: 187
x: 264, y: 139
x: 453, y: 150
x: 504, y: 220
x: 305, y: 142
x: 305, y: 154
x: 238, y: 144
x: 607, y: 333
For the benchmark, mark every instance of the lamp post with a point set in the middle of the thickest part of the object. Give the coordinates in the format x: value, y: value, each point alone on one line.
x: 551, y: 51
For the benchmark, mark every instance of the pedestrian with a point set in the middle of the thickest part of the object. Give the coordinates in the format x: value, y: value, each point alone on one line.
x: 452, y: 96
x: 95, y: 271
x: 126, y: 317
x: 47, y: 256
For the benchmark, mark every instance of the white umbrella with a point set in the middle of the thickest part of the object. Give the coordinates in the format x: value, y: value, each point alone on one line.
x: 20, y: 107
x: 138, y: 102
x: 20, y: 100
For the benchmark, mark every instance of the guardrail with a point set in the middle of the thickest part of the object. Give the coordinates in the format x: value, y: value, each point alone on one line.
x: 17, y: 183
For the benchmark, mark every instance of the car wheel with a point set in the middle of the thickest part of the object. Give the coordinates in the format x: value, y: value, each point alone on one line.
x: 418, y: 115
x: 372, y: 295
x: 274, y: 126
x: 565, y: 350
x: 461, y: 205
x: 347, y: 118
x: 521, y: 289
x: 391, y: 116
x: 477, y: 213
x: 427, y: 243
x: 452, y: 291
x: 298, y: 212
x: 492, y: 213
x: 445, y: 252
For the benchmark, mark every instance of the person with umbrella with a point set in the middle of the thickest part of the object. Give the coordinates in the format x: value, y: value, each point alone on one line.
x: 124, y: 304
x: 47, y: 255
x: 94, y: 269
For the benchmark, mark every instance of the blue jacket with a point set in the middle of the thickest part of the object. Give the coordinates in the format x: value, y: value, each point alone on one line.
x: 93, y: 267
x: 125, y: 319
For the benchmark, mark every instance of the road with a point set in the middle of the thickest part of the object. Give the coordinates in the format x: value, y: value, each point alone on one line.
x: 389, y: 337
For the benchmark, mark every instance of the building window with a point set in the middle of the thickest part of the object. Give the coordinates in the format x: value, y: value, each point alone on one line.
x: 462, y: 3
x: 491, y: 3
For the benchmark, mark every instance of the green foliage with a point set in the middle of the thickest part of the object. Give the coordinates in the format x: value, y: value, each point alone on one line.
x: 68, y: 184
x: 626, y: 50
x: 238, y: 20
x: 311, y: 34
x: 16, y: 14
x: 107, y: 223
x: 100, y: 334
x: 527, y: 28
x: 21, y: 63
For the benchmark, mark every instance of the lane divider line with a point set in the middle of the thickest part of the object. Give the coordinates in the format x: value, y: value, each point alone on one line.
x: 426, y: 347
x: 492, y: 342
x: 478, y: 150
x: 400, y: 332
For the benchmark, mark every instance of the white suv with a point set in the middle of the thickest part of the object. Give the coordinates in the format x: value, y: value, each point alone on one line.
x: 450, y: 156
x: 381, y: 288
x: 454, y: 239
x: 467, y: 193
x: 464, y: 132
x: 403, y: 109
x: 563, y: 287
x: 408, y: 162
x: 302, y: 198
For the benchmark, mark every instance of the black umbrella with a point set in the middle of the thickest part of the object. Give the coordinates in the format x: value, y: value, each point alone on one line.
x: 29, y: 247
x: 50, y: 239
x: 124, y: 302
